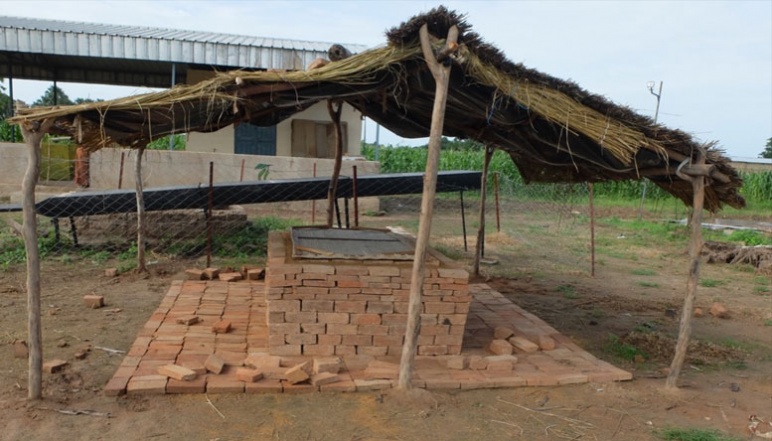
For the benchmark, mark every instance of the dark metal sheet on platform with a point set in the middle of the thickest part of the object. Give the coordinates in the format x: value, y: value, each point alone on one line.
x: 333, y: 243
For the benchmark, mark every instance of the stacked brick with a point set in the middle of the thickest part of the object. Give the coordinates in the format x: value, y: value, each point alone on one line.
x: 329, y: 307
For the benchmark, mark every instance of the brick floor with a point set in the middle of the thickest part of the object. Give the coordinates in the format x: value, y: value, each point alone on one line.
x: 163, y: 341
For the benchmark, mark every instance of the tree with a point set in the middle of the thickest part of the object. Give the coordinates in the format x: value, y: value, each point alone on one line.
x: 48, y: 98
x: 767, y: 153
x: 7, y: 133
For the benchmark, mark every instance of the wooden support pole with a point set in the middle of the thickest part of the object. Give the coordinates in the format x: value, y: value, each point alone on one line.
x: 33, y: 135
x: 441, y: 74
x: 483, y: 195
x: 333, y: 189
x: 138, y: 185
x: 695, y: 247
x: 592, y: 229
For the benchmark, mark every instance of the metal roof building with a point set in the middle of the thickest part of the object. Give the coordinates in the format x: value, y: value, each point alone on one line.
x: 53, y: 50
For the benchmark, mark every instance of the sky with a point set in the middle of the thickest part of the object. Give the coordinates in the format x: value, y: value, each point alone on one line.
x: 713, y: 57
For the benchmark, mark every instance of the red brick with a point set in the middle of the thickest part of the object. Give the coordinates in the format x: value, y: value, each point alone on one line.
x: 54, y: 366
x: 275, y: 317
x: 373, y: 329
x: 147, y: 384
x: 370, y: 385
x: 432, y: 350
x: 188, y: 320
x: 375, y: 351
x: 329, y: 339
x: 324, y: 378
x: 94, y: 301
x: 380, y: 307
x: 313, y: 328
x: 453, y: 319
x: 322, y: 269
x: 342, y: 385
x: 345, y: 350
x: 284, y: 328
x: 357, y: 340
x: 387, y: 340
x: 223, y: 384
x: 523, y: 344
x: 20, y: 349
x: 334, y: 328
x: 300, y: 388
x: 500, y: 347
x: 230, y: 277
x: 300, y: 317
x: 546, y: 343
x: 195, y: 386
x: 248, y: 375
x: 214, y: 364
x: 221, y: 327
x: 195, y: 274
x: 316, y: 350
x: 211, y: 273
x: 351, y: 306
x: 318, y: 305
x: 298, y: 373
x: 462, y: 308
x: 394, y: 319
x: 264, y: 386
x: 284, y: 305
x: 177, y: 372
x: 333, y: 317
x: 366, y: 319
x: 439, y: 308
x: 300, y: 339
x: 287, y: 350
x: 428, y: 319
x: 116, y: 386
x: 255, y: 273
x: 434, y: 329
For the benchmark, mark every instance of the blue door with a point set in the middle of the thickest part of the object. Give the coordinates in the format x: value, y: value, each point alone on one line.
x: 250, y: 139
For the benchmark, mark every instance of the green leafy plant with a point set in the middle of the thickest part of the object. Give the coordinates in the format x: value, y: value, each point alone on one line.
x: 644, y: 272
x: 694, y: 435
x: 647, y: 284
x: 568, y: 291
x: 622, y: 350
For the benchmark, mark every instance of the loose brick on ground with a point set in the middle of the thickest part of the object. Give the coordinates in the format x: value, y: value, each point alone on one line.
x: 211, y: 273
x: 523, y: 344
x: 323, y: 365
x: 324, y: 378
x: 248, y: 375
x: 500, y: 347
x: 54, y: 366
x: 214, y: 364
x: 195, y: 274
x: 230, y: 277
x: 188, y: 320
x: 94, y: 301
x: 381, y: 370
x: 298, y: 373
x: 502, y: 333
x: 20, y: 349
x: 177, y: 372
x: 222, y: 327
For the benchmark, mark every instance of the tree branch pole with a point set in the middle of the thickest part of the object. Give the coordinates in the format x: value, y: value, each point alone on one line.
x: 441, y: 74
x: 33, y: 134
x: 333, y: 189
x: 695, y: 247
x: 483, y: 195
x: 141, y: 264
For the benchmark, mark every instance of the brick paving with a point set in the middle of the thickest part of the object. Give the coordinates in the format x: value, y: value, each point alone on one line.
x: 163, y: 340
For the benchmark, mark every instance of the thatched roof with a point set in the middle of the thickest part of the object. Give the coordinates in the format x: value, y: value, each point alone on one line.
x: 553, y: 130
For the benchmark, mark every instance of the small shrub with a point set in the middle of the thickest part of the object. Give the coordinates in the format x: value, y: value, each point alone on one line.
x: 647, y: 284
x: 644, y: 272
x: 568, y: 291
x: 622, y: 350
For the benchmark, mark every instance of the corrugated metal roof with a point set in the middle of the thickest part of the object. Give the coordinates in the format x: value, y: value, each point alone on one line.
x: 54, y: 37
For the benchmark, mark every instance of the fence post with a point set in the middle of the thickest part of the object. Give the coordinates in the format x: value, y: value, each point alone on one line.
x: 120, y: 173
x: 496, y: 195
x: 138, y: 185
x: 313, y: 203
x: 356, y: 199
x: 592, y: 230
x: 209, y: 221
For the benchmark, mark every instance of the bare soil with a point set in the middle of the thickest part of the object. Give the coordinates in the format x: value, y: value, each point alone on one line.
x: 629, y: 303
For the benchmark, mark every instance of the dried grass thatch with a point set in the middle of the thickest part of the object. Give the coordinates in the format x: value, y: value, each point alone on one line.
x: 552, y: 129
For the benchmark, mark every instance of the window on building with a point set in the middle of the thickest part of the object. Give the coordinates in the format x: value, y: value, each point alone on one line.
x: 250, y: 139
x: 316, y: 139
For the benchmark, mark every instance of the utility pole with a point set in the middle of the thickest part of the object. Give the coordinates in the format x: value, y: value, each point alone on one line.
x: 650, y: 85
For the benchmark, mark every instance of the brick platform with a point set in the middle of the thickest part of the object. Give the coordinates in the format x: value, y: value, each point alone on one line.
x: 359, y: 307
x: 163, y: 341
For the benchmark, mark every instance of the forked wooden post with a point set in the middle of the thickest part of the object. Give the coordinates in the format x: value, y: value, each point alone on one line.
x: 141, y: 227
x: 441, y: 74
x: 33, y: 134
x: 483, y: 195
x: 697, y: 177
x: 333, y: 189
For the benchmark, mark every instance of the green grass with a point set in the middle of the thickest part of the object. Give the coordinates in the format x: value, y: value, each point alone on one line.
x: 647, y: 284
x: 711, y: 283
x: 568, y: 291
x: 644, y: 272
x: 760, y: 289
x: 694, y: 435
x: 768, y: 322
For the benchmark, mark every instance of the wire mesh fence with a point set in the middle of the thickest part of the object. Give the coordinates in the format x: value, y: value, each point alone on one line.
x: 253, y: 194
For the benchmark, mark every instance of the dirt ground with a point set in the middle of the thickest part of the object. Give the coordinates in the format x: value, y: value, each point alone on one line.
x: 728, y: 376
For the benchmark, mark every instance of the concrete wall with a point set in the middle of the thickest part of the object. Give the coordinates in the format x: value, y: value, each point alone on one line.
x: 162, y: 168
x: 222, y: 140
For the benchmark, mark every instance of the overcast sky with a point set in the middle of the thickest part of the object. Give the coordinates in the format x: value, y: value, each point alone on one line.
x: 715, y: 57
